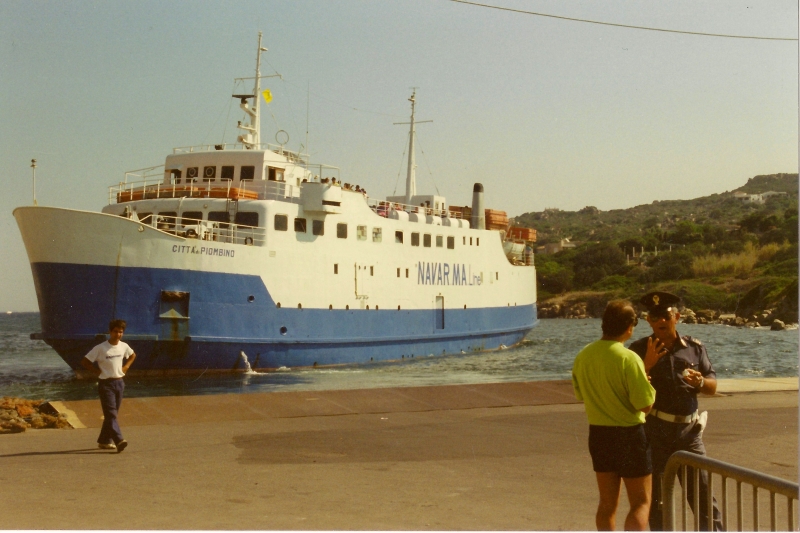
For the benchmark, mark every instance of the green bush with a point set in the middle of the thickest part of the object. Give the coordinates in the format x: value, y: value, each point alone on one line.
x: 676, y: 264
x: 615, y: 282
x: 698, y: 295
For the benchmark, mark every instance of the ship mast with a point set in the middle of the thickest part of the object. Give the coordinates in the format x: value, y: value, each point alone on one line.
x: 252, y: 138
x: 411, y: 179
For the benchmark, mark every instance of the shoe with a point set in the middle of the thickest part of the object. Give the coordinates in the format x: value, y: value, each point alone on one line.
x: 121, y: 445
x: 109, y: 446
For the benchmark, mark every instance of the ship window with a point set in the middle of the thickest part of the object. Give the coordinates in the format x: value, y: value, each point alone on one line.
x: 371, y: 271
x: 465, y: 241
x: 497, y: 275
x: 191, y: 217
x: 377, y: 235
x: 274, y: 174
x: 398, y: 237
x: 219, y: 216
x: 341, y: 230
x: 470, y: 241
x: 247, y: 173
x: 477, y: 241
x: 406, y: 272
x: 415, y: 239
x: 166, y: 220
x: 336, y: 268
x: 398, y: 272
x: 318, y: 227
x: 300, y: 225
x: 426, y: 240
x: 439, y: 241
x: 209, y: 173
x: 361, y: 233
x: 247, y: 218
x: 191, y: 174
x: 145, y: 217
x: 281, y: 222
x: 451, y: 242
x: 175, y: 175
x: 226, y: 173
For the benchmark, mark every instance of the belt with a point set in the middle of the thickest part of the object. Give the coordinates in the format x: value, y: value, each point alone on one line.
x: 676, y: 419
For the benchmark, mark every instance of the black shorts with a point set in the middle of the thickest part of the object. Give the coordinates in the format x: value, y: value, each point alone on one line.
x: 623, y: 450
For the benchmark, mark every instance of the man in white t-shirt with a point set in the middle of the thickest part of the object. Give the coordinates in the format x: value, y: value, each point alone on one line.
x: 112, y: 358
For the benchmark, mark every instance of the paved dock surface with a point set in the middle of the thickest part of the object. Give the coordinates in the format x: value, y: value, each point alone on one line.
x: 507, y: 456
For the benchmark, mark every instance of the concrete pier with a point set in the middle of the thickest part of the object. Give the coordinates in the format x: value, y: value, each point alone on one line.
x: 478, y: 457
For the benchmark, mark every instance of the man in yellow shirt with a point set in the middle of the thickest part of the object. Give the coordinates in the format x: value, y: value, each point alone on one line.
x: 612, y: 383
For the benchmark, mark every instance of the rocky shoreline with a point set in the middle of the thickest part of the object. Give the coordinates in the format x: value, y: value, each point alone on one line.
x: 18, y: 415
x: 590, y: 309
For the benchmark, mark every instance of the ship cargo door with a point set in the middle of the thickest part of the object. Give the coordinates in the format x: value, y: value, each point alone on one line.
x: 439, y: 311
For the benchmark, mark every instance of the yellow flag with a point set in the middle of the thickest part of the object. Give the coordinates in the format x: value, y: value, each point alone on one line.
x: 267, y: 96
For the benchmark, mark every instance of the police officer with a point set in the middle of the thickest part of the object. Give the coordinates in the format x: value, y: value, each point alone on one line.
x: 679, y: 368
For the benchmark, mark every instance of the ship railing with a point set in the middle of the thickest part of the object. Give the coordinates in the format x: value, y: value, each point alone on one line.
x: 277, y: 148
x: 207, y: 230
x: 152, y: 187
x: 151, y: 174
x: 384, y: 208
x: 318, y: 171
x: 686, y: 464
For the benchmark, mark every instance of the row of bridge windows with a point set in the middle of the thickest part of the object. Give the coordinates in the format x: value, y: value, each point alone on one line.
x: 226, y: 173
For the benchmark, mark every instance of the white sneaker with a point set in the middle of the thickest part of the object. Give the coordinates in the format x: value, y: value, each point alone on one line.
x: 109, y: 446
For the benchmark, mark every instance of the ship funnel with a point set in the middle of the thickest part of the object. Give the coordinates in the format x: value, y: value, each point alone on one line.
x: 478, y: 220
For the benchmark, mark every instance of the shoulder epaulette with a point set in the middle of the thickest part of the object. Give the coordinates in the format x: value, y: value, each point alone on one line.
x: 693, y: 340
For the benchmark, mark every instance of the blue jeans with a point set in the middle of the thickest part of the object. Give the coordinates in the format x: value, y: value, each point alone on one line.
x: 110, y: 391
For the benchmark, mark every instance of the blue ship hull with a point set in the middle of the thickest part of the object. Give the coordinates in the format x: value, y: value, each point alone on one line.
x: 233, y: 313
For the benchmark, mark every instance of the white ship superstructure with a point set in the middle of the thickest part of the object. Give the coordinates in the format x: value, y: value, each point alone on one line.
x: 251, y: 248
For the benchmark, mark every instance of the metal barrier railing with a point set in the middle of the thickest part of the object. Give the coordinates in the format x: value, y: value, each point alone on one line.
x: 684, y: 460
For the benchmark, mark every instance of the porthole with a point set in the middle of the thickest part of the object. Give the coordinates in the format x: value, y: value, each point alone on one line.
x: 347, y: 307
x: 251, y: 298
x: 283, y: 330
x: 398, y: 307
x: 367, y: 308
x: 465, y: 306
x: 330, y: 307
x: 299, y: 306
x: 376, y: 307
x: 278, y: 305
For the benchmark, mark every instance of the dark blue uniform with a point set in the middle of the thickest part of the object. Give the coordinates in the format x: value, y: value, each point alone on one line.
x: 676, y: 397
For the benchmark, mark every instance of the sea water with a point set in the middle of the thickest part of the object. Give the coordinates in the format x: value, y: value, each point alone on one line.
x: 31, y: 369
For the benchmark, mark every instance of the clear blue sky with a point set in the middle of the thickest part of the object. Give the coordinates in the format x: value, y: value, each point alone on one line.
x: 544, y: 112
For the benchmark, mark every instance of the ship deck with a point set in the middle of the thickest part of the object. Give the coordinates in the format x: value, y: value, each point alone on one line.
x: 491, y: 456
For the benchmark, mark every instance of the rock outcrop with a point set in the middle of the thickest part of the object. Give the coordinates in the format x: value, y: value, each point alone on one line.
x: 18, y: 414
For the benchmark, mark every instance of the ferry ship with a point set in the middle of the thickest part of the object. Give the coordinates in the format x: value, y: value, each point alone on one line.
x: 247, y: 256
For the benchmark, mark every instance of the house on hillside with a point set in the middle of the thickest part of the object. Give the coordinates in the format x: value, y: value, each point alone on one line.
x: 768, y: 194
x: 743, y: 197
x: 555, y: 247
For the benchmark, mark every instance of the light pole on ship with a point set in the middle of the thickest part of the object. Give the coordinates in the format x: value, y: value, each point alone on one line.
x: 33, y: 166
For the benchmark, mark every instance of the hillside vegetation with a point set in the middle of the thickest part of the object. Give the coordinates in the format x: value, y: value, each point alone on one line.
x: 717, y: 252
